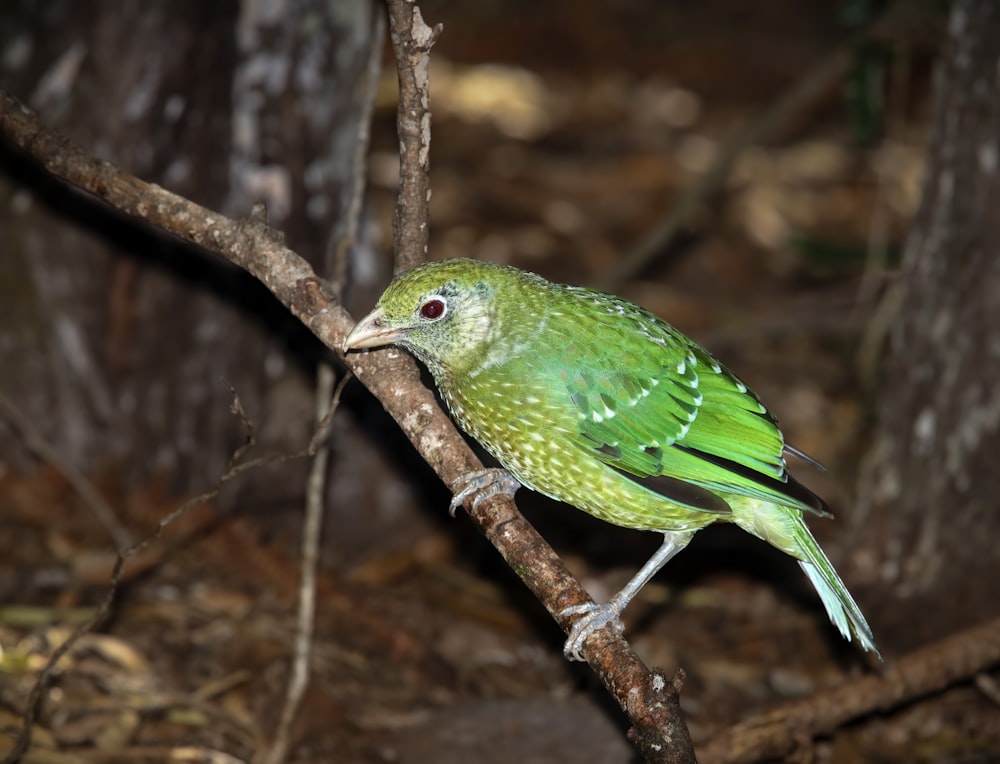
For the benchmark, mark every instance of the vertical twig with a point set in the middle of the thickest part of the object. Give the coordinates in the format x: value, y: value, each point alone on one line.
x: 327, y: 401
x: 411, y: 43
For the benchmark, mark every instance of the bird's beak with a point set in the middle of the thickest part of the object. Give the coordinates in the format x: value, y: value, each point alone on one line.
x: 371, y: 332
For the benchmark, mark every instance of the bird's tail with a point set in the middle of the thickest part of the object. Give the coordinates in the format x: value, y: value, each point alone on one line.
x: 839, y: 604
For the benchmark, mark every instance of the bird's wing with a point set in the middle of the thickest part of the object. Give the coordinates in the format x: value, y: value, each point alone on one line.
x: 653, y: 404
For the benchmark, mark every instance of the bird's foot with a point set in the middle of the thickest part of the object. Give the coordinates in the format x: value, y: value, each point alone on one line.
x: 484, y: 484
x: 594, y: 617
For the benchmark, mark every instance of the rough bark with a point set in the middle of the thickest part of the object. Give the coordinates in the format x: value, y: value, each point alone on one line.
x: 927, y: 526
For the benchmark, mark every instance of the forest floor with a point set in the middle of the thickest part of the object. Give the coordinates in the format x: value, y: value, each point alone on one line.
x: 564, y: 134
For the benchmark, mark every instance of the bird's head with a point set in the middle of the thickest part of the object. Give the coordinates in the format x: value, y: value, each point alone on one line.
x: 446, y: 312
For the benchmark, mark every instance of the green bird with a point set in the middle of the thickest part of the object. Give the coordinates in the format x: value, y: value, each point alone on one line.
x: 596, y: 402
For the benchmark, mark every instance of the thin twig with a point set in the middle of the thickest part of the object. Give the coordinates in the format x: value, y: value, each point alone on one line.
x: 327, y: 401
x: 411, y: 42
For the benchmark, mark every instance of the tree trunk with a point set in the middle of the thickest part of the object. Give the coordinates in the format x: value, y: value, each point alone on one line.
x: 117, y: 343
x: 928, y: 524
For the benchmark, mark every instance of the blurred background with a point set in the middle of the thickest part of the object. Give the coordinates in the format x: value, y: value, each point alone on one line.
x: 749, y: 172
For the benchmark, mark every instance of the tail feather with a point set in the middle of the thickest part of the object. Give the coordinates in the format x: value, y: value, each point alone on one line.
x: 839, y: 604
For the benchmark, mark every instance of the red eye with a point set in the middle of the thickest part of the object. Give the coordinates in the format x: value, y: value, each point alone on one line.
x: 432, y: 309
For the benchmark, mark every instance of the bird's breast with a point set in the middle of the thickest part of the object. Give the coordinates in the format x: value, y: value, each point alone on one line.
x: 532, y: 433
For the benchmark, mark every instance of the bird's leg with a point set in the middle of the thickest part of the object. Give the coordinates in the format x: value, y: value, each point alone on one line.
x: 596, y: 616
x: 485, y: 484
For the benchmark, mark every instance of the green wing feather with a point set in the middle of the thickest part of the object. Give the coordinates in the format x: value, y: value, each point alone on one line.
x: 653, y: 403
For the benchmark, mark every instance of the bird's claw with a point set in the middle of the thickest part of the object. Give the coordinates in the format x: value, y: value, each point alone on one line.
x: 593, y: 618
x: 484, y: 484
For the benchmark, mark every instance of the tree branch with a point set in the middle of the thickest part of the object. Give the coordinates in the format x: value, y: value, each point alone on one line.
x: 649, y: 699
x: 923, y: 672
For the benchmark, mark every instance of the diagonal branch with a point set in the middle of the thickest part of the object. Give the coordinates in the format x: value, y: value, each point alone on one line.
x: 923, y: 672
x: 649, y: 699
